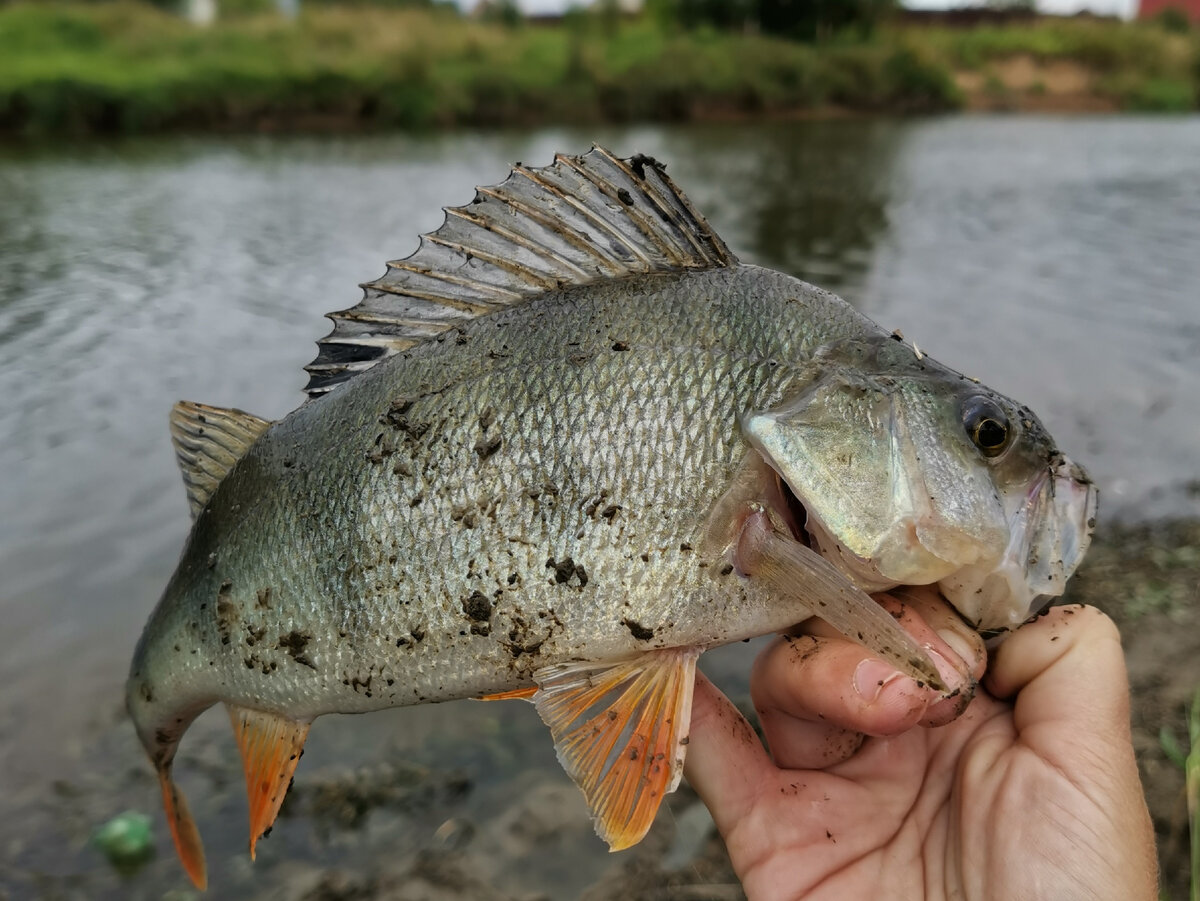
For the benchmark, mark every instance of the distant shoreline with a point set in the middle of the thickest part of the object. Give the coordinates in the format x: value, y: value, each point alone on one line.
x: 125, y: 68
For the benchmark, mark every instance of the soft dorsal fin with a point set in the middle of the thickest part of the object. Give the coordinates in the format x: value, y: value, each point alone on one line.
x: 208, y: 441
x: 582, y: 219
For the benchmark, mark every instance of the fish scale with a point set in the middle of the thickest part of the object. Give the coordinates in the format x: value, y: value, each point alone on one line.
x: 568, y: 492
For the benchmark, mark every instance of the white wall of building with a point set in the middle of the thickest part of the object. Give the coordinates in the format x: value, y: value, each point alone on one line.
x: 1124, y: 8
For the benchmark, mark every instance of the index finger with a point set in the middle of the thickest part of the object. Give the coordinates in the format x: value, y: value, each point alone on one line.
x: 726, y: 761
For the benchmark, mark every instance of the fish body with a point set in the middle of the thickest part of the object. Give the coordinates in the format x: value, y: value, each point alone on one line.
x: 552, y: 491
x: 518, y: 494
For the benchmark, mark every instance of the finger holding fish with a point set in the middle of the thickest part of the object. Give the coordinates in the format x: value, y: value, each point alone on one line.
x: 817, y: 694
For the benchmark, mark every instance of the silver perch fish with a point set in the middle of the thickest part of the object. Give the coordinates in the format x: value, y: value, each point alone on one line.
x: 563, y: 448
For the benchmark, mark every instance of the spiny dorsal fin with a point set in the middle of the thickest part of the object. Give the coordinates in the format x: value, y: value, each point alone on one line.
x: 582, y: 219
x: 208, y: 441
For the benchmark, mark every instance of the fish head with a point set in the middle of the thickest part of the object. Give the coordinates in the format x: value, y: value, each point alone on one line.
x: 902, y: 471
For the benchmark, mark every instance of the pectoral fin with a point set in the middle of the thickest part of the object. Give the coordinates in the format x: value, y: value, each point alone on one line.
x: 271, y: 747
x: 183, y: 830
x: 621, y: 731
x: 796, y: 572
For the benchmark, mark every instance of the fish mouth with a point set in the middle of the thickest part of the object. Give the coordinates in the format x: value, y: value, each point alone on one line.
x: 788, y: 507
x: 1049, y: 525
x: 1050, y: 529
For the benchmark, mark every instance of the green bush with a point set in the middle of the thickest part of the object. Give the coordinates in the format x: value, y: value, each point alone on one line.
x: 1174, y: 20
x: 1161, y: 95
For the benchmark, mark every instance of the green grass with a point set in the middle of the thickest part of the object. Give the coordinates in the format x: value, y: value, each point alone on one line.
x: 127, y: 67
x: 1189, y: 761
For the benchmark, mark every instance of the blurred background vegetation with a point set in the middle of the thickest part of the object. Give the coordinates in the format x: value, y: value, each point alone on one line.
x: 124, y: 66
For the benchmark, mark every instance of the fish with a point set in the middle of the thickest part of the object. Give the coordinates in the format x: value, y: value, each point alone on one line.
x: 563, y: 448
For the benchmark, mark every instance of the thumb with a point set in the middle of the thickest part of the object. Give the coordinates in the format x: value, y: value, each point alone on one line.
x: 1067, y: 673
x: 1071, y: 709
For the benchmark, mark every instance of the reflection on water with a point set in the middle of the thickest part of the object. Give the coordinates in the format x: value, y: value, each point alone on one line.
x: 1055, y: 259
x: 810, y: 201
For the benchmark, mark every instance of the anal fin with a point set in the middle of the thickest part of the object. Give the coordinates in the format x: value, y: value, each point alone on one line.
x: 271, y: 746
x: 183, y: 830
x: 620, y: 730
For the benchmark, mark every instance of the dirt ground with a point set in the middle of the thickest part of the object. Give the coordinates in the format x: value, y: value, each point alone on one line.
x: 1148, y: 579
x: 1024, y: 83
x: 1145, y: 576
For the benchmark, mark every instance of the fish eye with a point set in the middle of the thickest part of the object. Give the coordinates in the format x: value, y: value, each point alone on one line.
x: 987, y: 425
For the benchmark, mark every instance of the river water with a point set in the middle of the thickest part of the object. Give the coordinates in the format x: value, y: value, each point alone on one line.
x: 1056, y: 259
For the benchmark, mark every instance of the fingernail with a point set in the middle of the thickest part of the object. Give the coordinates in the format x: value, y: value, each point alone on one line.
x: 871, y: 676
x: 952, y: 675
x: 960, y: 646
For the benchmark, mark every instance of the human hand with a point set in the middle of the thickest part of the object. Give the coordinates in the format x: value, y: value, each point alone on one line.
x: 1031, y: 791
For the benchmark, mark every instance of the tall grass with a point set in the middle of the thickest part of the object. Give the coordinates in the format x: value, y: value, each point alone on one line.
x: 1189, y: 762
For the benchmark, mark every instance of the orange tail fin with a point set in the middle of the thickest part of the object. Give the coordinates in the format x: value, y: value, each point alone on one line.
x: 183, y: 830
x: 271, y: 746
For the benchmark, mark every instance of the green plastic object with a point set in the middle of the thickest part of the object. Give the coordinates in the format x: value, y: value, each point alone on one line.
x: 126, y: 840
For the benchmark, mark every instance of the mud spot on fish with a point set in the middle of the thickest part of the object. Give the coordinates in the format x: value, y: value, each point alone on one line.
x: 253, y: 635
x: 397, y: 417
x: 382, y: 448
x: 524, y: 638
x: 262, y: 599
x: 294, y: 643
x: 145, y: 691
x: 566, y: 570
x: 486, y: 418
x: 486, y: 446
x: 398, y: 407
x: 639, y: 161
x: 227, y: 615
x: 477, y: 606
x: 418, y: 634
x: 465, y: 515
x: 637, y: 630
x: 620, y: 346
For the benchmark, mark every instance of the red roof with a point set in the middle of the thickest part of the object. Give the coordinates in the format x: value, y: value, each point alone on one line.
x: 1151, y: 8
